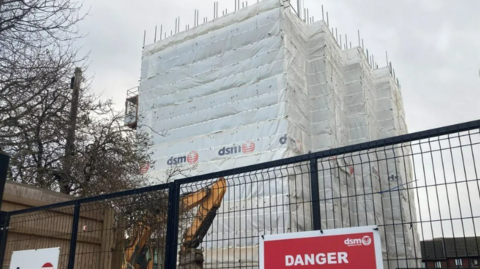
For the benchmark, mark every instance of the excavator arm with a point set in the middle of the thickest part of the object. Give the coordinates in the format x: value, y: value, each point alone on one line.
x: 208, y: 200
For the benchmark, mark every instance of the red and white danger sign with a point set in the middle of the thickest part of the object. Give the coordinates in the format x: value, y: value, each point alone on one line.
x: 46, y: 258
x: 347, y: 248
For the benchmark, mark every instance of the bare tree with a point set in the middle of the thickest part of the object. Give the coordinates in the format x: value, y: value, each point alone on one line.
x: 108, y: 156
x: 37, y: 59
x: 36, y: 55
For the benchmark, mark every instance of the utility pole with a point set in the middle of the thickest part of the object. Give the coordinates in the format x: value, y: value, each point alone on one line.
x: 75, y: 85
x: 69, y: 146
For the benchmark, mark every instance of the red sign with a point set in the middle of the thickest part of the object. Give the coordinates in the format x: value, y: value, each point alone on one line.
x: 334, y: 249
x: 47, y: 266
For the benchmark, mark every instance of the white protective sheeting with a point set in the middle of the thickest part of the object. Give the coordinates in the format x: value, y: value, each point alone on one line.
x: 217, y: 96
x: 260, y: 85
x: 395, y: 171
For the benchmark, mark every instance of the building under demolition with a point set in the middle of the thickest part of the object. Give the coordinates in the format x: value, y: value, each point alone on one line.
x: 258, y: 85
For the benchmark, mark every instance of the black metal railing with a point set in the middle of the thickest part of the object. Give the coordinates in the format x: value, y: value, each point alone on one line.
x: 420, y: 189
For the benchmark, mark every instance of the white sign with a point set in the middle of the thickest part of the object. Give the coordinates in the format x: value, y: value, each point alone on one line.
x: 46, y: 258
x: 347, y: 248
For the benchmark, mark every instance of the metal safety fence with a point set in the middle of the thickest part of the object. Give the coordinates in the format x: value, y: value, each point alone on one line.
x: 421, y: 190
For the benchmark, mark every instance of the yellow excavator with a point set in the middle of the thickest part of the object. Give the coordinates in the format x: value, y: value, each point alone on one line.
x: 207, y: 201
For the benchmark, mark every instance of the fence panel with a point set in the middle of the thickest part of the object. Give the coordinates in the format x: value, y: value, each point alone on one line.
x: 41, y: 229
x: 447, y: 191
x: 268, y: 201
x: 417, y: 192
x: 127, y: 231
x: 374, y: 187
x: 422, y: 191
x: 121, y: 230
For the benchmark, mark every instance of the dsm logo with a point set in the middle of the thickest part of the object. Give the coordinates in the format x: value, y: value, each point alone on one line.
x: 295, y: 144
x: 190, y: 158
x: 246, y: 147
x: 364, y: 241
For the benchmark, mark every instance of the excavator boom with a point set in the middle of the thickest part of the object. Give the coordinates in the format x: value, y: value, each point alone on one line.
x: 207, y: 210
x: 208, y: 204
x: 207, y: 200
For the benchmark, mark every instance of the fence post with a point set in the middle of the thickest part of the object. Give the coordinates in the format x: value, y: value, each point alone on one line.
x: 4, y: 216
x: 4, y: 160
x: 314, y: 186
x: 73, y: 239
x: 172, y: 226
x: 4, y: 223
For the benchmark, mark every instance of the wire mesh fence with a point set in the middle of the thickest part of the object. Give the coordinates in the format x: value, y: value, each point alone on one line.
x: 421, y: 191
x: 132, y: 231
x: 267, y: 201
x: 41, y: 229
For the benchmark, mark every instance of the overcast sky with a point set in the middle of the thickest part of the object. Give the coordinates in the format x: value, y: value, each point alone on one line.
x: 434, y: 46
